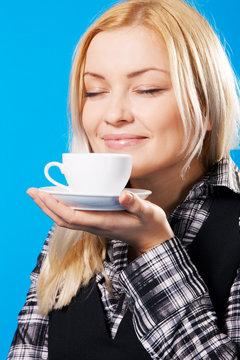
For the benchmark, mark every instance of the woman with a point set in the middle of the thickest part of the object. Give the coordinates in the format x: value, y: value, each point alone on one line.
x: 161, y: 279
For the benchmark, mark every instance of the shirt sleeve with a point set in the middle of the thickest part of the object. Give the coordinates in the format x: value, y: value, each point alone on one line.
x: 31, y: 337
x: 172, y: 312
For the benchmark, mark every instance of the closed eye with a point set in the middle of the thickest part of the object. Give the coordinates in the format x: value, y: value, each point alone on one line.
x: 92, y: 94
x: 146, y: 91
x: 149, y: 91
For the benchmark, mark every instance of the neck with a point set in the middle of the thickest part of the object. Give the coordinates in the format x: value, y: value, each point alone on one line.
x: 168, y: 188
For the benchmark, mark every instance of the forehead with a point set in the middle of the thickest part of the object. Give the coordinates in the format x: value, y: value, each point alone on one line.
x: 126, y: 49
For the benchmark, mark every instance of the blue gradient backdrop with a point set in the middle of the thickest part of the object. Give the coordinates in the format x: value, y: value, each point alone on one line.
x: 37, y: 42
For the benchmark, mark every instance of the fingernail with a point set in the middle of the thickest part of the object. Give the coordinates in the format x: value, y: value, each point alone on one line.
x: 129, y: 198
x: 30, y: 192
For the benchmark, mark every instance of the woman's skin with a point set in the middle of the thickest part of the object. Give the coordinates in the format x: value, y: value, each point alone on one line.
x: 130, y: 107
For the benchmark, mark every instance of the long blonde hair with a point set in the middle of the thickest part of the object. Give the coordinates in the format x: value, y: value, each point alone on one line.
x: 205, y: 88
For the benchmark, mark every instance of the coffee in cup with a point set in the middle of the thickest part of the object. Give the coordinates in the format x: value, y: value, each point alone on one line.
x: 93, y: 173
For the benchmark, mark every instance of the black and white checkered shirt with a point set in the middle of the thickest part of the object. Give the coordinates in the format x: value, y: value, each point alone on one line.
x: 172, y: 312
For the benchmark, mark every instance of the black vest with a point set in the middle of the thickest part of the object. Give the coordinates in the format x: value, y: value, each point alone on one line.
x: 216, y: 249
x: 79, y: 331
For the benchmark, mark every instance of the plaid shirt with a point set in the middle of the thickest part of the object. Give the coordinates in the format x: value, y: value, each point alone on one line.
x: 172, y: 312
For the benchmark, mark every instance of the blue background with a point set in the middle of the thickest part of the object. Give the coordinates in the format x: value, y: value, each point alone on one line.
x: 37, y: 42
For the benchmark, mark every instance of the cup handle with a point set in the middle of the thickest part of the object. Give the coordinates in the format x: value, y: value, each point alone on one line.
x: 60, y: 166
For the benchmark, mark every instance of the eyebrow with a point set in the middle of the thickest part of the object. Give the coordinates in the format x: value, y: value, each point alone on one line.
x: 130, y: 75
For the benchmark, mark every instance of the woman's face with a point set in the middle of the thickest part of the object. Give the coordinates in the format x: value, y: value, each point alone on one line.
x: 129, y: 105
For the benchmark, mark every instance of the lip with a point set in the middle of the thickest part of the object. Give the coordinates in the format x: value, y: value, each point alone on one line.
x: 122, y: 136
x: 120, y: 141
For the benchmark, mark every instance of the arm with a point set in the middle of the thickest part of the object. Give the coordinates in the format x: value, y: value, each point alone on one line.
x: 172, y: 312
x: 30, y: 339
x: 173, y: 315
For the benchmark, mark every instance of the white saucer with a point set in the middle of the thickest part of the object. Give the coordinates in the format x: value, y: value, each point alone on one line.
x: 91, y: 202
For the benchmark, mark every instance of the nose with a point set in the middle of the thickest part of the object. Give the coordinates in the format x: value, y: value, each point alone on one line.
x: 118, y: 110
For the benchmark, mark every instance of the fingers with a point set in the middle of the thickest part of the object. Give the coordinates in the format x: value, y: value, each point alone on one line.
x: 62, y: 211
x: 133, y: 204
x: 65, y: 216
x: 34, y: 194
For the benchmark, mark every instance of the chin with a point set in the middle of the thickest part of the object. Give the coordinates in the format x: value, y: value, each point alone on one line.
x: 139, y: 172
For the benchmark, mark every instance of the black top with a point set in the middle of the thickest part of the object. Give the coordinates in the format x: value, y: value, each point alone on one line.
x: 216, y: 250
x: 79, y: 330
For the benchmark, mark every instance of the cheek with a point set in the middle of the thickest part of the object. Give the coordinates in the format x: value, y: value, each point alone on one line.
x: 89, y: 122
x: 164, y: 121
x: 91, y: 119
x: 160, y: 113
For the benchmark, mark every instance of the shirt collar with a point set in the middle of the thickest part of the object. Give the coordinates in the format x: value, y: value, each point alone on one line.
x: 225, y: 173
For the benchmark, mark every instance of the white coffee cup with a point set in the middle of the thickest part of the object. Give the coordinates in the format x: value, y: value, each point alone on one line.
x: 93, y: 173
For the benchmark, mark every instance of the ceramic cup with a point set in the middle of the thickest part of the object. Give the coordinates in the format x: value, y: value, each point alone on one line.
x: 94, y: 173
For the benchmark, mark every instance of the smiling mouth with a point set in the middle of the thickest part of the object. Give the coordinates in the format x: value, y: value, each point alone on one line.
x: 120, y: 141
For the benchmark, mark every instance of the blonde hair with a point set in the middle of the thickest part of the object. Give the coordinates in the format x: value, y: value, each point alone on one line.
x: 206, y: 91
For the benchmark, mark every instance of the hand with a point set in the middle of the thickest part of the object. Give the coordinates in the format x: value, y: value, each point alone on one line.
x: 143, y: 225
